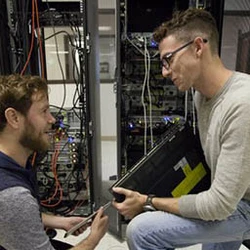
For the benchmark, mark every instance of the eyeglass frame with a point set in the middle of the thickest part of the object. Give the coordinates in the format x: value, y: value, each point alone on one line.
x: 165, y: 61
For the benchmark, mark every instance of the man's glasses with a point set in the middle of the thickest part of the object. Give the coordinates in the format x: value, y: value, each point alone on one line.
x: 166, y: 59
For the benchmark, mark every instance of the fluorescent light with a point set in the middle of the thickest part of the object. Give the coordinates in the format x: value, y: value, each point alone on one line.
x: 50, y: 45
x: 100, y: 28
x: 59, y: 52
x: 104, y: 28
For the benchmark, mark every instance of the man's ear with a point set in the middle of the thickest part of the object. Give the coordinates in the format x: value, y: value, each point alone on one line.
x: 12, y: 117
x: 199, y: 44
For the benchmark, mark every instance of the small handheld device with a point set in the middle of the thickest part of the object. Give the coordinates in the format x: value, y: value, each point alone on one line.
x: 86, y: 221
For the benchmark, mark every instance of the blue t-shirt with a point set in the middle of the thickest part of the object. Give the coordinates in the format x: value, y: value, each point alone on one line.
x: 12, y: 174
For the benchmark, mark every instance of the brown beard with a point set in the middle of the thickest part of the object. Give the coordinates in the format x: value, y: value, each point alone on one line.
x: 32, y: 140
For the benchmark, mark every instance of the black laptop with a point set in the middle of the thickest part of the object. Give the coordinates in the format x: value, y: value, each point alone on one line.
x: 173, y: 167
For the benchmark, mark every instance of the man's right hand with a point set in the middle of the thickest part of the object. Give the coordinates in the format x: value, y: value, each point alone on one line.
x: 98, y: 229
x: 99, y: 225
x: 133, y: 203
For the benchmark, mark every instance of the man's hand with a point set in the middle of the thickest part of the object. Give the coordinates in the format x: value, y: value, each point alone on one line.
x: 133, y: 203
x: 98, y: 229
x: 65, y: 223
x: 70, y: 222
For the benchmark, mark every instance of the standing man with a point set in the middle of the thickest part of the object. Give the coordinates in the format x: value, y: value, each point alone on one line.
x: 25, y: 126
x: 218, y: 218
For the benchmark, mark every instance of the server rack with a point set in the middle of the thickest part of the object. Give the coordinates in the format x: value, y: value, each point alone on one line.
x: 69, y: 174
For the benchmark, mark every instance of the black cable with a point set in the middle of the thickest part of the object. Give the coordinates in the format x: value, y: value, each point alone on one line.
x: 57, y: 54
x: 61, y: 32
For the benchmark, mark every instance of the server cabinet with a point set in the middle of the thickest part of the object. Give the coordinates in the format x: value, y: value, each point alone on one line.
x: 59, y: 41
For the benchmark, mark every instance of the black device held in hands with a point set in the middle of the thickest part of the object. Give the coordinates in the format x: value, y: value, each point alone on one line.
x: 173, y: 167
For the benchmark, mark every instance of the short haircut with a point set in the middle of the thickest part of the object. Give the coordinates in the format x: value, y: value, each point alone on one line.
x: 187, y: 25
x: 17, y: 91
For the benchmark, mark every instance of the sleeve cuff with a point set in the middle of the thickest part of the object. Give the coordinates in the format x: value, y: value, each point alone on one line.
x: 187, y: 206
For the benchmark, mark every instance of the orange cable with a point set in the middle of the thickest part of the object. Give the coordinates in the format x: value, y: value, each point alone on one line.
x: 39, y: 40
x: 32, y: 39
x: 57, y: 184
x: 33, y: 159
x: 56, y: 187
